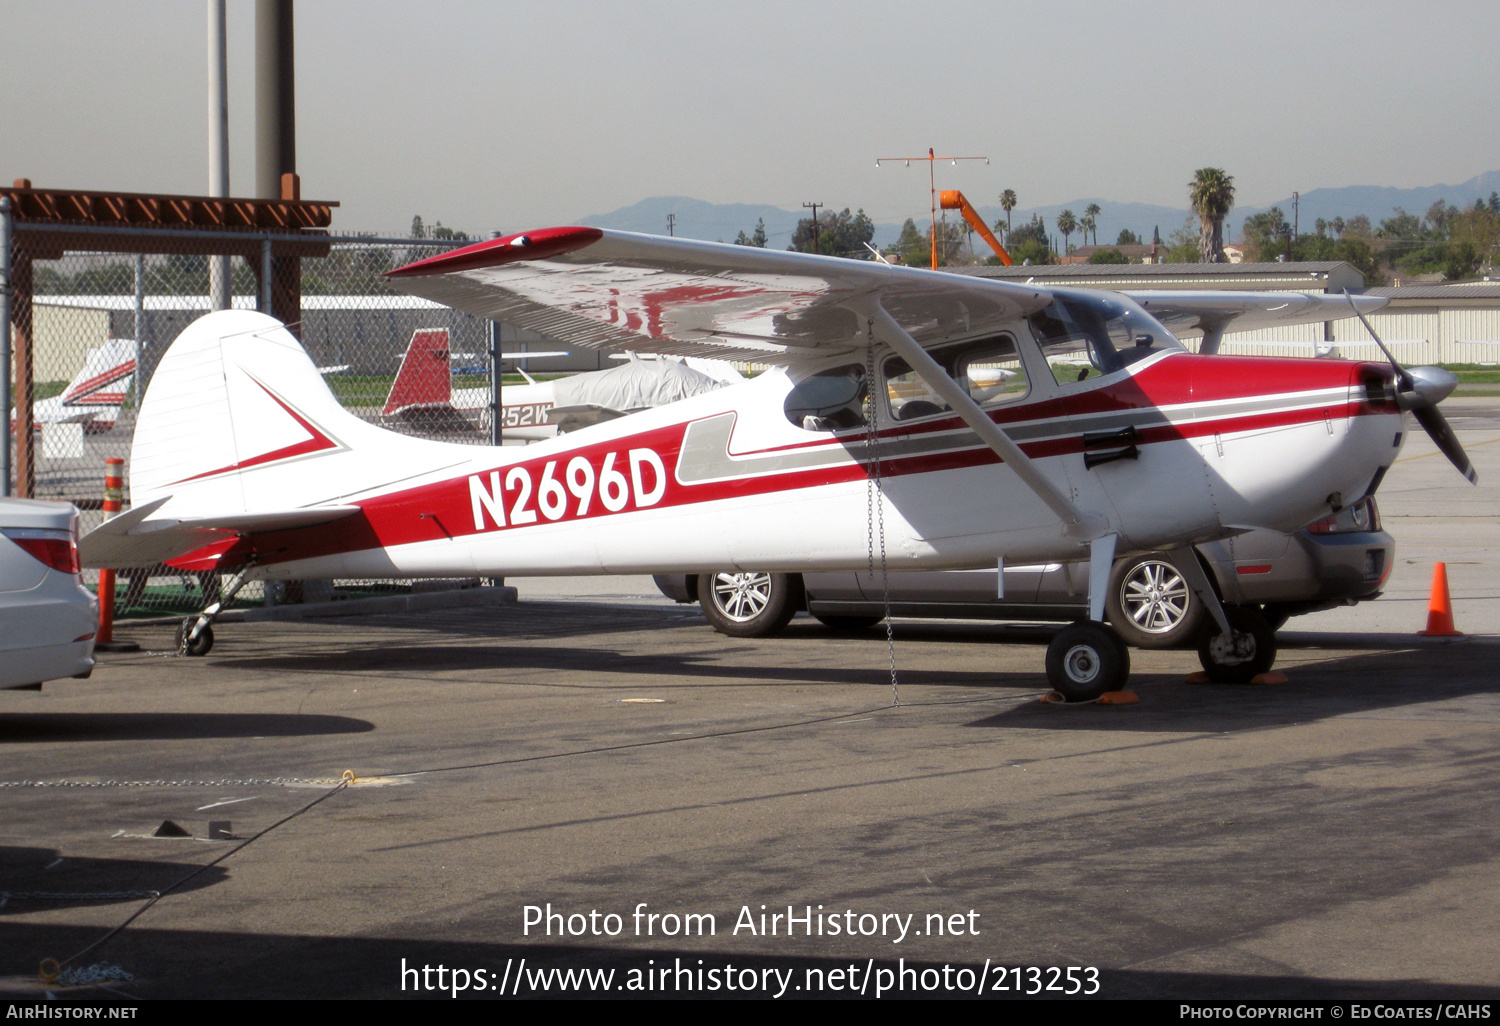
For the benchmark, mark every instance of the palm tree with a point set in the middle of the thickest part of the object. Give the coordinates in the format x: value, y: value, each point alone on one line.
x: 1092, y: 213
x: 1008, y: 201
x: 1211, y: 193
x: 1067, y: 224
x: 1088, y: 224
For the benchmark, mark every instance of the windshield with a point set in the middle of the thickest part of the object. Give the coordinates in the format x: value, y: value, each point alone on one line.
x: 1085, y: 333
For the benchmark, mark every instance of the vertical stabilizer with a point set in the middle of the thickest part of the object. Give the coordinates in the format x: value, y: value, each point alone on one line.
x: 424, y: 380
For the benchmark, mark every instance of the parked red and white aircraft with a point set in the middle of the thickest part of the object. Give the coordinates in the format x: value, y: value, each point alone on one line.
x: 423, y: 389
x: 96, y: 393
x: 1107, y: 435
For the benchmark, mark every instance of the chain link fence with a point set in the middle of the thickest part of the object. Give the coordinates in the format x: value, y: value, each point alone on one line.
x: 100, y: 321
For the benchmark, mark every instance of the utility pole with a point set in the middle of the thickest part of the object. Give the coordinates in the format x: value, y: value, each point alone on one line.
x: 932, y: 184
x: 672, y: 225
x: 1296, y: 214
x: 814, y: 207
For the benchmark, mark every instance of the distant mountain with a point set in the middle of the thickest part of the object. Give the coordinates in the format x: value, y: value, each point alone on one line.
x: 1377, y: 202
x: 696, y: 219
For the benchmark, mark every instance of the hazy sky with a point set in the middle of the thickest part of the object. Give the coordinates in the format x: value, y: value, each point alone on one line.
x: 511, y: 115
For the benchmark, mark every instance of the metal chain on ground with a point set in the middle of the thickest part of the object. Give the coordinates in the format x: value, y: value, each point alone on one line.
x: 246, y: 782
x: 875, y: 511
x: 6, y: 897
x: 99, y: 972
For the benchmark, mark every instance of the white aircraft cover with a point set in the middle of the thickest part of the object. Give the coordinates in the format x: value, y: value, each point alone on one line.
x: 636, y: 385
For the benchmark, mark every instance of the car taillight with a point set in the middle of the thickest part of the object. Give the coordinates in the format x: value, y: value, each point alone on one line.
x: 56, y: 549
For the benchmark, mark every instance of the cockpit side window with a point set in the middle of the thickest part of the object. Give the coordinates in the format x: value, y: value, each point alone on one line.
x: 990, y: 369
x: 830, y: 400
x: 1086, y: 334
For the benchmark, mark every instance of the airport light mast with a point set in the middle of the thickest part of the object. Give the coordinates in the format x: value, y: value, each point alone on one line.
x: 932, y: 184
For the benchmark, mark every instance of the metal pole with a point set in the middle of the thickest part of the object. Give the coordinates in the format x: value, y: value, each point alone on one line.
x: 136, y: 389
x: 5, y: 369
x: 267, y: 266
x: 220, y: 277
x: 495, y: 375
x: 275, y: 118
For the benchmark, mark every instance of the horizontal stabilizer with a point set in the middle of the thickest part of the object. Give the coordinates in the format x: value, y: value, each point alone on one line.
x: 133, y: 539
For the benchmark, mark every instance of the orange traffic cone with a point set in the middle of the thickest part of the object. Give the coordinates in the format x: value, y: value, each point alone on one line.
x: 1440, y: 608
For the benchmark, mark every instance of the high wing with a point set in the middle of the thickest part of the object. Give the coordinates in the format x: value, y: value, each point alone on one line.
x: 1212, y: 313
x: 608, y: 289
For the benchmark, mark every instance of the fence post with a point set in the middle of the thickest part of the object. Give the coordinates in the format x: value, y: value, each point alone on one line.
x: 5, y: 396
x: 267, y: 265
x: 137, y: 388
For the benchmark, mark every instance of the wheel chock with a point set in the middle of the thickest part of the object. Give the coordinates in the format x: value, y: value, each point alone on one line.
x: 1108, y: 698
x: 1196, y: 677
x: 1269, y: 677
x: 170, y: 829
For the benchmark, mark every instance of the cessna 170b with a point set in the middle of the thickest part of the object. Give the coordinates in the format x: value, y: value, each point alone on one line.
x: 1006, y: 422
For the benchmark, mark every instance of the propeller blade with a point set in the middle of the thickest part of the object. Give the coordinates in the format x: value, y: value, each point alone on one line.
x: 1419, y: 391
x: 1436, y: 425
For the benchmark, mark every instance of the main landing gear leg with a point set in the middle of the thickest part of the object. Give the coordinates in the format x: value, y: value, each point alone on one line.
x: 195, y: 635
x: 1088, y: 658
x: 1242, y: 644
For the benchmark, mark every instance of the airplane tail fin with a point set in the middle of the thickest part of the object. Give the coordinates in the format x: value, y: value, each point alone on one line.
x: 235, y: 392
x: 105, y: 376
x: 424, y: 380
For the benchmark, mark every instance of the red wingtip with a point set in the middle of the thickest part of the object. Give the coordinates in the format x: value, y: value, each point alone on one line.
x: 508, y: 249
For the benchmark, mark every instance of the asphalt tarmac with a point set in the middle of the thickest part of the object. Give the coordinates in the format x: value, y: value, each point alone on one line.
x: 601, y: 751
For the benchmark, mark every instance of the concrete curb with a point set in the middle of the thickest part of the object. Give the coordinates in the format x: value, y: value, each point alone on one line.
x: 416, y: 603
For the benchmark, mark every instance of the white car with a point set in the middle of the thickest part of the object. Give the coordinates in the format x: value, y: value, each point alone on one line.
x: 47, y: 617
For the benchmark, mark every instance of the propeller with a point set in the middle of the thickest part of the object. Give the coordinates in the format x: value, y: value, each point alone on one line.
x: 1419, y: 390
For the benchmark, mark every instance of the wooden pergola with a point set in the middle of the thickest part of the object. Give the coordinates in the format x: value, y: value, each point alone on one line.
x: 46, y: 223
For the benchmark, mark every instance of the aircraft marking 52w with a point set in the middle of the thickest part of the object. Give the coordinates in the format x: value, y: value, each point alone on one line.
x: 1006, y: 422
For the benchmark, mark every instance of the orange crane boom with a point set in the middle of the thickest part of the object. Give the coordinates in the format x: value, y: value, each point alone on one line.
x: 952, y: 199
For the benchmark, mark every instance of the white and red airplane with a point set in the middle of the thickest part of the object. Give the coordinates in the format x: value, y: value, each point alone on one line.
x: 244, y: 461
x: 423, y: 390
x: 96, y: 393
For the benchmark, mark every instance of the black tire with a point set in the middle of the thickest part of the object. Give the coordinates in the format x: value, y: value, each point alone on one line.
x: 1252, y: 651
x: 1087, y: 659
x: 201, y: 644
x: 749, y: 605
x: 848, y: 624
x: 1151, y: 604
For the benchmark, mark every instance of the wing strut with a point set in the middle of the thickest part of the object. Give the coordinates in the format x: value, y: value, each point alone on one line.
x: 1082, y: 526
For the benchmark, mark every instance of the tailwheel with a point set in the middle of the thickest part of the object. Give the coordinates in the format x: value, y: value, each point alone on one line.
x: 1240, y: 658
x: 1087, y: 659
x: 198, y: 646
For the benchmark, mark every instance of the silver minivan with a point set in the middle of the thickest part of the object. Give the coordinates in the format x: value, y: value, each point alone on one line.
x: 1340, y: 560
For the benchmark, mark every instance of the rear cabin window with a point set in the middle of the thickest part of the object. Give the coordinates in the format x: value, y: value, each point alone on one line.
x: 829, y: 400
x: 990, y: 369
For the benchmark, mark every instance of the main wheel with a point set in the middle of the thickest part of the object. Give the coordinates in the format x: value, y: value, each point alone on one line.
x: 1249, y: 652
x: 749, y: 605
x: 1151, y: 604
x: 200, y: 645
x: 847, y: 623
x: 1086, y: 659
